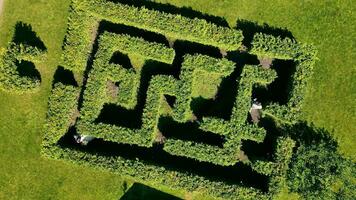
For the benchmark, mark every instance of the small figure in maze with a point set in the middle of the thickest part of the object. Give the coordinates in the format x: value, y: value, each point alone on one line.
x: 256, y: 111
x: 83, y: 139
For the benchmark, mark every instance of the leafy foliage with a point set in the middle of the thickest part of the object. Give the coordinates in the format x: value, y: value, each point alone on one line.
x: 86, y: 15
x: 10, y: 78
x: 190, y: 84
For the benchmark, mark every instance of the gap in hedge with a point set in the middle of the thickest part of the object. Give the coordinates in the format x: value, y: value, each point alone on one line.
x: 250, y: 28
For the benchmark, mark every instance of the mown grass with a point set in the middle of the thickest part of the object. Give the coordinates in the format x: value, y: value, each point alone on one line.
x: 23, y: 173
x: 329, y: 104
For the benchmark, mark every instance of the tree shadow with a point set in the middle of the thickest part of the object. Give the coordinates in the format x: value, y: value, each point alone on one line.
x: 139, y: 191
x: 308, y: 134
x: 25, y: 35
x: 250, y: 28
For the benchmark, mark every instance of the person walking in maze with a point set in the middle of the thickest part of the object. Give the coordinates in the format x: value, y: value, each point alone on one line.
x: 256, y: 111
x: 83, y: 139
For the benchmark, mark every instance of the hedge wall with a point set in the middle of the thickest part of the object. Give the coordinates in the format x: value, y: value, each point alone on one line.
x: 85, y: 16
x: 267, y: 46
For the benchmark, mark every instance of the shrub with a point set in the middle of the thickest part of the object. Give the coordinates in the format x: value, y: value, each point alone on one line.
x: 10, y: 78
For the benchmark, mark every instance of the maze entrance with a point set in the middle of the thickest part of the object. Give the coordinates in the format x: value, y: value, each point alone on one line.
x: 166, y: 99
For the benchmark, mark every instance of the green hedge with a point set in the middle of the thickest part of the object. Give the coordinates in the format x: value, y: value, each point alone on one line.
x: 200, y: 76
x: 61, y: 114
x: 86, y: 14
x: 267, y: 46
x: 237, y: 127
x: 10, y: 79
x: 95, y: 95
x: 138, y: 46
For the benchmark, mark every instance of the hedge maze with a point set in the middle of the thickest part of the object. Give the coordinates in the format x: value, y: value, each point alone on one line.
x: 154, y: 108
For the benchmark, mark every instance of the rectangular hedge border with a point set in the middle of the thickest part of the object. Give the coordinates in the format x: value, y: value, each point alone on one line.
x: 86, y: 15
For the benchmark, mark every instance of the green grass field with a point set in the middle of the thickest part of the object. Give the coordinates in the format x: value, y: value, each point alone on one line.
x: 330, y: 102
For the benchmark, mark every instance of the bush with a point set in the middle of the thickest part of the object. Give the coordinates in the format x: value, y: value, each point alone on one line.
x: 319, y: 172
x: 10, y: 78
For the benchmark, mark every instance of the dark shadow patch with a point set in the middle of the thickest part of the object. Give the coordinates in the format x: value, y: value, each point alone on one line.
x: 132, y: 31
x: 238, y: 174
x: 249, y: 29
x: 309, y: 134
x: 25, y: 35
x: 139, y: 191
x: 183, y: 11
x: 64, y: 76
x: 188, y: 131
x: 119, y: 116
x: 121, y: 59
x: 28, y: 69
x: 170, y: 100
x: 266, y: 149
x: 279, y: 90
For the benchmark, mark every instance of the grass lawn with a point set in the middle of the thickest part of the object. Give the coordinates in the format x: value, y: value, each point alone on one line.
x: 330, y: 101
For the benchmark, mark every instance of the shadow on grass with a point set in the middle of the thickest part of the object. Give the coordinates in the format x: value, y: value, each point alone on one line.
x: 64, y: 76
x: 25, y: 35
x: 139, y: 191
x: 28, y: 69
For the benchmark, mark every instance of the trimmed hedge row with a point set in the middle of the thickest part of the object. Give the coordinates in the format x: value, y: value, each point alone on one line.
x: 86, y: 14
x: 10, y: 78
x: 80, y: 36
x: 138, y: 46
x: 61, y: 113
x: 267, y: 46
